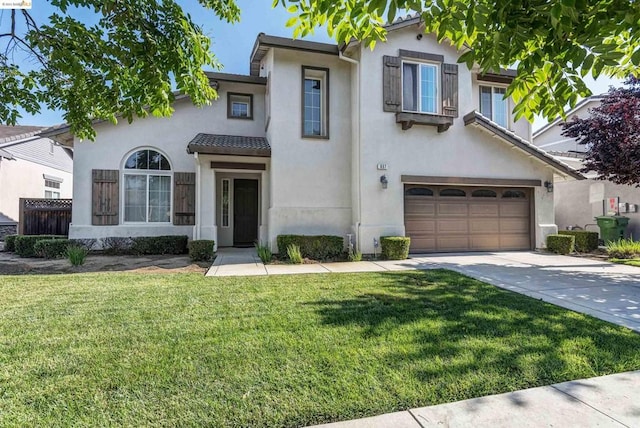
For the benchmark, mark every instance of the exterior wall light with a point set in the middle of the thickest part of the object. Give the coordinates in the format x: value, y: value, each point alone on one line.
x: 384, y: 181
x: 549, y: 186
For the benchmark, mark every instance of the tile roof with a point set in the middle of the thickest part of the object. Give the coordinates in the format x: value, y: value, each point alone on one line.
x: 4, y: 219
x: 17, y: 132
x: 477, y: 119
x: 229, y: 145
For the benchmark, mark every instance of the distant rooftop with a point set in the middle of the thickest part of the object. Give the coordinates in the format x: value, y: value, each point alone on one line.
x: 17, y: 132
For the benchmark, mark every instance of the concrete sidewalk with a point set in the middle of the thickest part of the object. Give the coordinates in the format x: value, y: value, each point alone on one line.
x: 245, y: 261
x: 607, y: 401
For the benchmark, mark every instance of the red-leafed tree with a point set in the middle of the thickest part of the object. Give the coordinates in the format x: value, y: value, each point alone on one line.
x: 612, y: 135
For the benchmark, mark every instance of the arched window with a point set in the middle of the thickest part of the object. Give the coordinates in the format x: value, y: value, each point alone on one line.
x: 453, y: 192
x: 484, y: 193
x: 147, y: 187
x: 418, y: 191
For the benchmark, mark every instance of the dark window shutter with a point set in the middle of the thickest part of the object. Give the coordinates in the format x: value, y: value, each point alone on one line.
x: 450, y: 90
x: 105, y: 197
x: 391, y: 78
x: 184, y: 198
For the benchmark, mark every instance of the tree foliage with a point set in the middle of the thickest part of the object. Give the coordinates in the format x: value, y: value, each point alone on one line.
x: 124, y: 65
x: 612, y: 135
x: 553, y: 43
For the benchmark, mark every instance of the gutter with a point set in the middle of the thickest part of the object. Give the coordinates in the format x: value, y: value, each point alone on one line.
x: 355, y: 123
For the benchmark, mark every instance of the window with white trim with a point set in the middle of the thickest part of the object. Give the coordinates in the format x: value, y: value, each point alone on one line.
x: 420, y: 87
x: 51, y: 187
x: 493, y: 105
x: 239, y: 106
x: 315, y: 100
x: 147, y: 186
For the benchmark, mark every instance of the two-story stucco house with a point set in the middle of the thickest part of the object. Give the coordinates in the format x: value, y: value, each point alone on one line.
x: 30, y: 167
x: 327, y: 139
x: 577, y: 203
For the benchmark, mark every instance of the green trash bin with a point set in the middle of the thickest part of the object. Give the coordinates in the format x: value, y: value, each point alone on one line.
x: 612, y: 228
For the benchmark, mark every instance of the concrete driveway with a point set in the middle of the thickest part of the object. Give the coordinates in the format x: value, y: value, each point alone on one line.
x: 604, y: 290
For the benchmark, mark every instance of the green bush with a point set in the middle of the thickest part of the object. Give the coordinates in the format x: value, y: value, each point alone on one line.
x: 395, y: 247
x: 586, y: 241
x: 76, y: 254
x: 294, y: 254
x: 355, y: 256
x: 10, y: 243
x: 201, y: 250
x: 318, y: 247
x: 561, y: 244
x: 623, y: 249
x: 117, y: 245
x: 25, y: 244
x: 51, y: 248
x: 264, y: 253
x: 159, y: 245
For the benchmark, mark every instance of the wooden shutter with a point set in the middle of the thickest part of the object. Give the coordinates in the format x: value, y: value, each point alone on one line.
x: 105, y: 197
x: 450, y: 90
x: 391, y: 78
x: 184, y: 198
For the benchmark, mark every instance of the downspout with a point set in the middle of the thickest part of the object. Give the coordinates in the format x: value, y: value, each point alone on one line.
x: 197, y: 227
x: 355, y: 122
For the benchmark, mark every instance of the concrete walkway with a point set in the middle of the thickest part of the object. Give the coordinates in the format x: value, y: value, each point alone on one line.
x: 607, y: 401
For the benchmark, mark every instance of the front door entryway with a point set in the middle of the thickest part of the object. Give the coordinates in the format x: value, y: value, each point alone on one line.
x: 245, y: 212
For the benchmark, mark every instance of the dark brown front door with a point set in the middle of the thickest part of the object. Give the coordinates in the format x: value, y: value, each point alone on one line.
x: 245, y: 212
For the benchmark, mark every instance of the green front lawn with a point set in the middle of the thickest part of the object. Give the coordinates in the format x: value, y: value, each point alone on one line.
x: 181, y: 349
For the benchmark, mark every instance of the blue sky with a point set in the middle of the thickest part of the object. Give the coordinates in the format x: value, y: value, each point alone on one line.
x: 232, y: 44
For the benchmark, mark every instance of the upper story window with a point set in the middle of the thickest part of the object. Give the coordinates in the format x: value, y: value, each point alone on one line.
x: 493, y: 104
x: 315, y: 102
x: 420, y: 87
x: 52, y: 187
x: 147, y: 187
x: 239, y: 106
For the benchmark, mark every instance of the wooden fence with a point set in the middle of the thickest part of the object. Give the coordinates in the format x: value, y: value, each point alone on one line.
x: 44, y: 216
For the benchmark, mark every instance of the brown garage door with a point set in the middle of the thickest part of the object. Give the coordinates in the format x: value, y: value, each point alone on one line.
x: 464, y: 218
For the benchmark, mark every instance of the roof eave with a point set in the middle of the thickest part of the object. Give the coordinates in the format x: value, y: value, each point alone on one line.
x: 477, y: 119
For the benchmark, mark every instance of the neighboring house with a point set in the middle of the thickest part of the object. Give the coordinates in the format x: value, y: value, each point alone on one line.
x: 30, y: 167
x: 579, y: 202
x: 327, y: 139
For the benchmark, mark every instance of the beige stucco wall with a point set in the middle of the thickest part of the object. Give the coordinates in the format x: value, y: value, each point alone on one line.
x: 461, y: 151
x: 168, y: 135
x: 24, y: 179
x: 310, y: 178
x: 574, y: 208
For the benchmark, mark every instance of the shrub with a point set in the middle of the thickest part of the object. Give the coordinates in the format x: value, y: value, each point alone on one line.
x: 201, y: 250
x: 586, y: 241
x: 623, y: 249
x: 294, y: 254
x: 76, y: 254
x: 10, y: 243
x: 319, y: 247
x: 159, y: 245
x: 51, y: 248
x: 355, y: 256
x: 561, y: 244
x: 25, y: 244
x: 117, y: 246
x: 264, y: 253
x: 86, y: 243
x: 395, y: 247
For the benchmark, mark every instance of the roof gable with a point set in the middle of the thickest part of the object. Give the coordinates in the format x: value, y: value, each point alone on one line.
x: 476, y: 119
